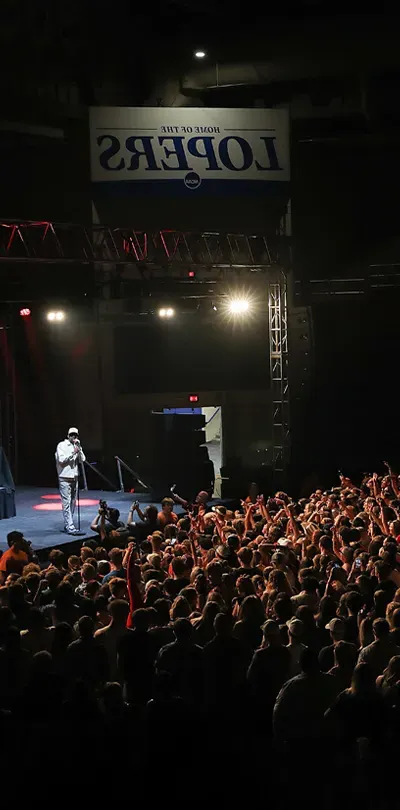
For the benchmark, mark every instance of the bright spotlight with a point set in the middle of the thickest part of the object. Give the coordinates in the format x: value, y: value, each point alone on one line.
x: 166, y: 312
x: 25, y: 312
x: 238, y: 306
x: 56, y: 316
x: 200, y: 54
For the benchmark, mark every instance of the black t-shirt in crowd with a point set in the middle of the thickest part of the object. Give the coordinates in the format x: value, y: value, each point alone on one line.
x: 176, y: 585
x: 351, y: 629
x: 136, y: 656
x: 109, y: 527
x: 269, y: 670
x: 160, y: 637
x: 326, y: 658
x: 245, y: 571
x: 140, y: 531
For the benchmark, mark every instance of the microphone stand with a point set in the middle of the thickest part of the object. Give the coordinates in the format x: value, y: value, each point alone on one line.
x: 78, y: 504
x: 77, y: 493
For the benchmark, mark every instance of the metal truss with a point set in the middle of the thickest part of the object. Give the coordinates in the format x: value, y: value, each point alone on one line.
x: 158, y: 253
x: 374, y: 277
x: 279, y: 361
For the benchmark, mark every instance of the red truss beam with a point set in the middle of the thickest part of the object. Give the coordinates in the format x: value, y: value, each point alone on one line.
x: 54, y: 243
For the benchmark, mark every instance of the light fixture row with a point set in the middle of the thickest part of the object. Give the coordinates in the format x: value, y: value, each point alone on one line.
x: 233, y: 306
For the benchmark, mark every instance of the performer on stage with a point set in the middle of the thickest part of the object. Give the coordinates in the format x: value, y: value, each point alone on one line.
x: 68, y: 455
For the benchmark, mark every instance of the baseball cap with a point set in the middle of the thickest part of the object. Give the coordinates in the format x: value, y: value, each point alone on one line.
x: 335, y: 626
x: 220, y: 510
x: 295, y: 627
x: 223, y: 552
x: 73, y: 430
x: 270, y: 628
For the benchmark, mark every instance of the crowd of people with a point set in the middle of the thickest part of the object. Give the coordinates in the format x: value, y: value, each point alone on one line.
x: 266, y: 633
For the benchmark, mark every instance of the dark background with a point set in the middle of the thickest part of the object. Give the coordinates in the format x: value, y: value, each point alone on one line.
x: 355, y: 388
x: 176, y: 356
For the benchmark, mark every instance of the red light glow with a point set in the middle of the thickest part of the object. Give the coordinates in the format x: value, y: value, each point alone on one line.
x: 193, y: 398
x: 25, y: 312
x: 47, y: 507
x: 55, y: 506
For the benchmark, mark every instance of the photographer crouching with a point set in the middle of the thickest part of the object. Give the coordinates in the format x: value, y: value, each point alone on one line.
x: 111, y: 529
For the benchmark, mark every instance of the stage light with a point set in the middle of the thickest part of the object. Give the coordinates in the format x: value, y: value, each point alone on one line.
x: 166, y: 312
x: 25, y: 312
x: 192, y: 274
x: 200, y: 54
x: 170, y: 312
x: 193, y: 398
x: 56, y: 316
x: 238, y: 306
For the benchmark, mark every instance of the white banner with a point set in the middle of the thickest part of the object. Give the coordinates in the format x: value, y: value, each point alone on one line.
x: 193, y: 147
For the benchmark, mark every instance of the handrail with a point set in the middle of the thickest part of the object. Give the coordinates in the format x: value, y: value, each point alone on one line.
x: 121, y: 463
x: 101, y: 475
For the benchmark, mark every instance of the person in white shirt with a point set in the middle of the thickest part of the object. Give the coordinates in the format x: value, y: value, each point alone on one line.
x: 68, y: 455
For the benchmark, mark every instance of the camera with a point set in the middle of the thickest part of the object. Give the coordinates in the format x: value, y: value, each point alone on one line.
x: 103, y: 507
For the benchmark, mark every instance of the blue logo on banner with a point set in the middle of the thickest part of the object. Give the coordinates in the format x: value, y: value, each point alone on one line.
x: 192, y: 180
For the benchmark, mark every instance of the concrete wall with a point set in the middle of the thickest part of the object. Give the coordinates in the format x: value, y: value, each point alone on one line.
x: 213, y: 422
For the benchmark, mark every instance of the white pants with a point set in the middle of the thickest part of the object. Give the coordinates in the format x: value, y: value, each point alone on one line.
x: 68, y: 489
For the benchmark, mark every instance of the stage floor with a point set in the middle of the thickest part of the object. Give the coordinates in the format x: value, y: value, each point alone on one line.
x: 39, y: 514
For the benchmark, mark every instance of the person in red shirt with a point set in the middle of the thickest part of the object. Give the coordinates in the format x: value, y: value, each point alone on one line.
x: 14, y: 560
x: 166, y: 516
